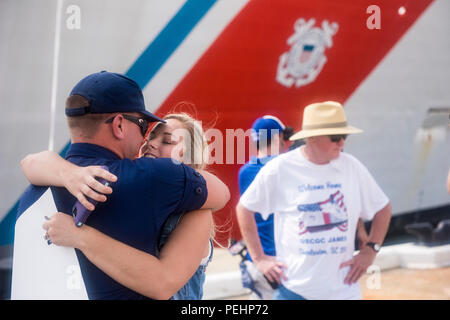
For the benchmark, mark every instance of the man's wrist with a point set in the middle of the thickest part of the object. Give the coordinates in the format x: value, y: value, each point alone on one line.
x: 375, y: 247
x: 258, y: 258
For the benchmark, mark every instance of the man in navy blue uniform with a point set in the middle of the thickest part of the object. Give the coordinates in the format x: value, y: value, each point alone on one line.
x: 269, y: 134
x: 107, y: 121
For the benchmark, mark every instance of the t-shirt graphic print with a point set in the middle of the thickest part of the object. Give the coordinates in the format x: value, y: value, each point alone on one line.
x: 325, y: 215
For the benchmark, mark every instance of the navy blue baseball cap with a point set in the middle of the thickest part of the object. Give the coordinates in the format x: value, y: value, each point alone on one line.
x: 109, y: 92
x: 263, y: 127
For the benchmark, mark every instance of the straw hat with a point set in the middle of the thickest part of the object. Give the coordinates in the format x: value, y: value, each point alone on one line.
x: 324, y: 118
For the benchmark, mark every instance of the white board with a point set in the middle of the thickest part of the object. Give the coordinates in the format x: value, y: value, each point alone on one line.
x: 42, y: 271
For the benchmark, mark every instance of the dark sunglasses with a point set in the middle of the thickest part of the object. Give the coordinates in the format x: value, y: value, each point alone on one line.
x: 140, y: 122
x: 337, y: 137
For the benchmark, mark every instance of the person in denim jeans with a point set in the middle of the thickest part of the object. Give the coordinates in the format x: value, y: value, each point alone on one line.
x: 318, y: 194
x: 269, y: 135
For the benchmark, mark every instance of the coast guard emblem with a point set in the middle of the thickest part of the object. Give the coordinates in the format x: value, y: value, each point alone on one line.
x: 306, y: 58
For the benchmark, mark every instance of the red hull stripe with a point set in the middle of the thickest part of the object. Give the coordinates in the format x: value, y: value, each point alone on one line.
x: 234, y: 82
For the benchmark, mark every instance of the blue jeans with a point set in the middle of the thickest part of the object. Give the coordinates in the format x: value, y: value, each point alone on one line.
x: 255, y: 281
x: 193, y: 289
x: 282, y: 293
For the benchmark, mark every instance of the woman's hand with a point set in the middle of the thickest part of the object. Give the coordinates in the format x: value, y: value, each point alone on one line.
x: 47, y: 168
x: 61, y: 231
x: 81, y: 183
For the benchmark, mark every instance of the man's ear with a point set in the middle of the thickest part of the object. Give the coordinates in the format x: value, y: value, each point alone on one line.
x: 117, y: 128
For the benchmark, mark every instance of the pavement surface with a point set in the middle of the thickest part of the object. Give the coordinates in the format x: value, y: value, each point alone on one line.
x: 408, y: 284
x: 393, y: 284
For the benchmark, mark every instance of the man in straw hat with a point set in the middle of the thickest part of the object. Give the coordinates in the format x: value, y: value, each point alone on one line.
x: 317, y: 193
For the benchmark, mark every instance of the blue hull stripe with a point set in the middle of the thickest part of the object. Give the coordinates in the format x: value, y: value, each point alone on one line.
x: 142, y: 71
x: 162, y: 47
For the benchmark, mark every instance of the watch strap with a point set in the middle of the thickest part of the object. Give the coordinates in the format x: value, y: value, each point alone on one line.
x: 375, y: 246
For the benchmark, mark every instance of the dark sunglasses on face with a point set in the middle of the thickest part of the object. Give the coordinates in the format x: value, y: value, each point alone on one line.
x: 337, y: 137
x: 140, y: 122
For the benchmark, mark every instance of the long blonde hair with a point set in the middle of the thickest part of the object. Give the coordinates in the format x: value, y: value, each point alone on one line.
x: 197, y: 154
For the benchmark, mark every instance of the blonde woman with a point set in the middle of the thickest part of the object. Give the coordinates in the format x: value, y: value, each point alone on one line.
x: 180, y: 138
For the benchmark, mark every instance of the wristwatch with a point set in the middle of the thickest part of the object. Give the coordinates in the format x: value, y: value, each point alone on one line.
x: 375, y: 246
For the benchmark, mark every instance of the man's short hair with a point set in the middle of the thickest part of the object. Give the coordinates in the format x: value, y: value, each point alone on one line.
x: 87, y: 125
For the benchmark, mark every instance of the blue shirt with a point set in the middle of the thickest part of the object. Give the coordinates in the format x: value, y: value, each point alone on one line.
x: 146, y: 192
x: 247, y: 174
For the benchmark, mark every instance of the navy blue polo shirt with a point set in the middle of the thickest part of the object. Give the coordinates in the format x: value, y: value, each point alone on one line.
x: 247, y: 174
x: 146, y: 192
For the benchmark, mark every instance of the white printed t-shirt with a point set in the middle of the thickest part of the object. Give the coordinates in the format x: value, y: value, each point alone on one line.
x: 316, y: 214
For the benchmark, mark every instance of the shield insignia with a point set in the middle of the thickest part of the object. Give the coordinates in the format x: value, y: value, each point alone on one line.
x: 306, y: 58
